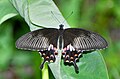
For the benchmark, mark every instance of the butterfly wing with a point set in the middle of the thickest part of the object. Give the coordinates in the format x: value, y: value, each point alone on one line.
x: 83, y: 40
x: 38, y: 39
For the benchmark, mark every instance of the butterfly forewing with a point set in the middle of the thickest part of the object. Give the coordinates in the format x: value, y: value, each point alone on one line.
x: 38, y: 40
x: 83, y: 40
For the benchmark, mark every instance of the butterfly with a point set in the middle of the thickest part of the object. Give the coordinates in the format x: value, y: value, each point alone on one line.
x: 72, y: 41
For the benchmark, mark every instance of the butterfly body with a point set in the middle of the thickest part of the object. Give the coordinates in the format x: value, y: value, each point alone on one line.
x: 72, y: 41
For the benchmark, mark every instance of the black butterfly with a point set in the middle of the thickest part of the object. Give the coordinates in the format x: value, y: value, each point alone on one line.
x: 72, y: 42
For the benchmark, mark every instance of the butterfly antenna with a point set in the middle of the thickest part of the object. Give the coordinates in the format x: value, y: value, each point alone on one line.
x: 55, y: 17
x: 68, y: 17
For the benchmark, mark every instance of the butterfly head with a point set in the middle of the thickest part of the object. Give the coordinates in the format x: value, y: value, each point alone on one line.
x: 61, y: 26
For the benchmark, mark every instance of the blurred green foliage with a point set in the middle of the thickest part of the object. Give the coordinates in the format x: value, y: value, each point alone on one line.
x: 102, y: 16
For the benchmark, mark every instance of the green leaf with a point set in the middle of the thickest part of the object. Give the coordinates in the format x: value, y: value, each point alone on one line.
x: 38, y: 13
x: 6, y: 10
x: 91, y: 66
x: 6, y: 44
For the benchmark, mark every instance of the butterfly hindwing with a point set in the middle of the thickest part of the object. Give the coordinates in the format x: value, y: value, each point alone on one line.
x: 83, y: 40
x: 38, y: 40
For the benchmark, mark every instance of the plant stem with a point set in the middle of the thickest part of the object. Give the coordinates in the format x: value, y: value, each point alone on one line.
x: 45, y: 74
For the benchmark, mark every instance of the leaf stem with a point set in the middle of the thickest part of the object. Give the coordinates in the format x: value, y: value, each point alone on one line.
x: 45, y: 74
